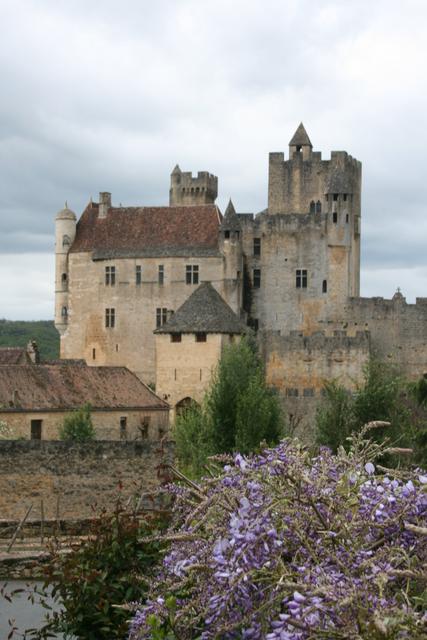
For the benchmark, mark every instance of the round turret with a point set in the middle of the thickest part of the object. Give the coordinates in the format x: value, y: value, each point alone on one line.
x: 66, y: 214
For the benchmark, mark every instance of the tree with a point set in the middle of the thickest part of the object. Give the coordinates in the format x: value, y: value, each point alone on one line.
x: 335, y: 416
x: 381, y: 396
x: 239, y: 411
x: 78, y: 426
x: 193, y: 439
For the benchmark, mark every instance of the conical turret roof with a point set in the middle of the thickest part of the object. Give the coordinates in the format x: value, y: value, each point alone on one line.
x: 66, y: 214
x: 204, y: 312
x: 176, y: 170
x: 231, y: 220
x: 300, y: 137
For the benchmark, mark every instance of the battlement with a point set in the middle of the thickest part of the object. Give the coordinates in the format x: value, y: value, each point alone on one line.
x: 187, y: 189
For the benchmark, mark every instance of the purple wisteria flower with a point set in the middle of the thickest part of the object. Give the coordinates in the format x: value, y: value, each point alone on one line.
x: 283, y: 546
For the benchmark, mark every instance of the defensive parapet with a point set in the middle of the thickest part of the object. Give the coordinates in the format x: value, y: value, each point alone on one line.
x: 398, y: 329
x: 298, y: 367
x: 186, y: 189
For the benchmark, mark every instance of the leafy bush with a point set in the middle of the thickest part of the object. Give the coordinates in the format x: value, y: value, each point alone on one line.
x: 283, y: 546
x: 193, y: 439
x: 379, y: 397
x: 78, y: 426
x: 91, y: 582
x: 239, y: 411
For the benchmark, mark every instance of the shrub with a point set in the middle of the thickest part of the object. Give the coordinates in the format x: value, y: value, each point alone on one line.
x: 91, y: 582
x: 379, y: 397
x: 283, y: 546
x: 78, y: 426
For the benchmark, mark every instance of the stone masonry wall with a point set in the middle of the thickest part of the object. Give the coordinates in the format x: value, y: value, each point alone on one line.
x: 106, y: 424
x: 130, y: 342
x: 83, y: 477
x: 398, y: 330
x: 298, y: 366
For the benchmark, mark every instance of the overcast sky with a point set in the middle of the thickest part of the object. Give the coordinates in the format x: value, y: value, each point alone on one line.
x: 109, y: 96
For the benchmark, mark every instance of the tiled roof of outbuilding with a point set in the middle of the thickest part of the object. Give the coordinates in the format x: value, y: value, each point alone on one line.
x: 65, y: 387
x: 149, y: 231
x: 204, y: 312
x: 14, y: 355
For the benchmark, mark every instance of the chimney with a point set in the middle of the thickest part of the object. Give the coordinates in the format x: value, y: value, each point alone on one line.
x: 33, y: 352
x: 104, y: 203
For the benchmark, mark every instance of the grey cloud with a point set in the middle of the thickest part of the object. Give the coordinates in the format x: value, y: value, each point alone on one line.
x: 109, y: 96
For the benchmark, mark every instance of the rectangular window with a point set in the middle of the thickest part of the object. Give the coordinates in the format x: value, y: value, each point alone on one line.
x: 291, y: 393
x: 110, y: 276
x: 36, y: 429
x: 175, y: 337
x: 335, y: 217
x: 110, y: 318
x: 161, y: 316
x: 123, y: 425
x: 257, y: 278
x: 301, y: 279
x: 257, y: 247
x: 161, y: 275
x: 200, y: 337
x: 192, y: 274
x: 138, y: 274
x: 308, y: 392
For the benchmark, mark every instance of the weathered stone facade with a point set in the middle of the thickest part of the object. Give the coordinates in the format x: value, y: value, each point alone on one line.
x: 294, y: 267
x: 84, y: 478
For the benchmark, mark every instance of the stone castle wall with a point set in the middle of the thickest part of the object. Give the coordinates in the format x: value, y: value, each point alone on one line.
x: 84, y: 477
x: 398, y: 330
x: 298, y: 366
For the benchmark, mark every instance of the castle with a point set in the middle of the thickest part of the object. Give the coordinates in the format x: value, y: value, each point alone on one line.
x: 291, y: 273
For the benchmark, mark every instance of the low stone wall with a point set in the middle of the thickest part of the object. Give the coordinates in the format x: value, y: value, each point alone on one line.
x: 78, y: 480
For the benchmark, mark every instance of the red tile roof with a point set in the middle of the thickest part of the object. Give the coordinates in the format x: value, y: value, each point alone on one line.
x: 149, y: 231
x: 14, y: 355
x: 48, y: 387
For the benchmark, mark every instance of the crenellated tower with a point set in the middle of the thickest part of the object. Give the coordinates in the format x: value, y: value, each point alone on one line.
x: 65, y: 232
x: 186, y: 189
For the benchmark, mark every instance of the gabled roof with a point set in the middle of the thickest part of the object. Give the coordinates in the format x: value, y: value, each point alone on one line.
x: 56, y: 387
x: 149, y: 231
x: 14, y: 355
x: 204, y: 312
x: 300, y: 137
x: 230, y: 221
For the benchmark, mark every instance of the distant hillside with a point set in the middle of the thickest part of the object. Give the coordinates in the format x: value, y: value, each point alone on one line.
x: 17, y: 333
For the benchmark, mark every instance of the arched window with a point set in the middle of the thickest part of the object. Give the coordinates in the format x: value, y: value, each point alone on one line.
x: 318, y: 207
x: 312, y: 207
x: 66, y: 241
x: 64, y: 313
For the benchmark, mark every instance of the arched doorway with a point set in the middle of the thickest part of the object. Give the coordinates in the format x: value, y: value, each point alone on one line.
x: 184, y: 405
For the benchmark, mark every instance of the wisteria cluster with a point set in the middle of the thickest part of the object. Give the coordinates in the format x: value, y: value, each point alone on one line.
x: 284, y: 546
